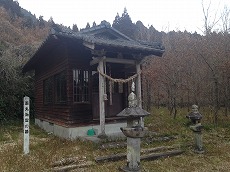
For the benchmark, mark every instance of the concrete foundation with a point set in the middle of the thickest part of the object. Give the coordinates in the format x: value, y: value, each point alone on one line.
x: 77, y: 132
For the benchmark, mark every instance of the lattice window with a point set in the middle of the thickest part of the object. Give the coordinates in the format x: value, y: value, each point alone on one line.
x: 80, y: 85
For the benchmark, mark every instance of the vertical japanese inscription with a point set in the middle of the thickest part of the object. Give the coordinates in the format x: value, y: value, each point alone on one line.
x: 26, y: 123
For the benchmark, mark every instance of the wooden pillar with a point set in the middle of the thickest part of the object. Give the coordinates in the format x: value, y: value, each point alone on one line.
x: 138, y: 89
x: 138, y: 86
x: 101, y: 98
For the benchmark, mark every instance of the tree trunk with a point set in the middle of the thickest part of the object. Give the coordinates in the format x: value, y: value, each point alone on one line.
x: 174, y: 107
x: 216, y: 100
x: 148, y: 95
x: 226, y: 101
x: 169, y: 101
x: 158, y: 99
x: 227, y: 96
x: 151, y: 156
x: 161, y: 155
x: 188, y: 103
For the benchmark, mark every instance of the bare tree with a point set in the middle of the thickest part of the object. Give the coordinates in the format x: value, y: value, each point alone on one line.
x: 210, y: 18
x: 225, y: 18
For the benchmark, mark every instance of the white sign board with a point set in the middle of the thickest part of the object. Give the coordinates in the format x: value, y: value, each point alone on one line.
x: 26, y: 123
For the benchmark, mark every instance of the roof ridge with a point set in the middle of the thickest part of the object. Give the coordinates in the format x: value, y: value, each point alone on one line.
x: 104, y: 24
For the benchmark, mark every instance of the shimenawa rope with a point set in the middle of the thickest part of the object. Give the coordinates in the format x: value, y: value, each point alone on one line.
x: 119, y: 80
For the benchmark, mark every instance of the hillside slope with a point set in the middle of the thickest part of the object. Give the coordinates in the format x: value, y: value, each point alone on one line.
x: 14, y: 32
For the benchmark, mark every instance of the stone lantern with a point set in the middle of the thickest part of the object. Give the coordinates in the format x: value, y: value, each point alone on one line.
x: 134, y: 131
x: 196, y: 127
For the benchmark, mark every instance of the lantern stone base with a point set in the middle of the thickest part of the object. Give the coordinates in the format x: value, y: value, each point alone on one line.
x: 198, y: 142
x: 198, y: 137
x: 127, y: 169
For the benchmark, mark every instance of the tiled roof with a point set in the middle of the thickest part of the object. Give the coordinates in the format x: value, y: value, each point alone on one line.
x: 122, y: 43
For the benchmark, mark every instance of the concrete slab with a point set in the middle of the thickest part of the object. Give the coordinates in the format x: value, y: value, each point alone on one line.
x: 112, y: 130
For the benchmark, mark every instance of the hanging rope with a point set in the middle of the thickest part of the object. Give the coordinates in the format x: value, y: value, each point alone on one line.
x: 105, y: 95
x: 119, y: 80
x: 110, y: 88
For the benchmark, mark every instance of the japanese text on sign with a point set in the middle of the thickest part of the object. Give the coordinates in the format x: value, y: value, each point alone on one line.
x: 26, y: 124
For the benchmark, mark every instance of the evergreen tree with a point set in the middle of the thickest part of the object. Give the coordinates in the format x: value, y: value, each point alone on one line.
x: 41, y: 22
x: 51, y: 22
x: 94, y: 24
x: 141, y: 31
x: 28, y: 22
x: 87, y: 25
x: 154, y: 35
x: 12, y: 7
x: 75, y: 28
x: 124, y: 24
x: 116, y: 20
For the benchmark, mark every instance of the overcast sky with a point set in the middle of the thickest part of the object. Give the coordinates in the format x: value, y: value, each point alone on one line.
x: 164, y: 15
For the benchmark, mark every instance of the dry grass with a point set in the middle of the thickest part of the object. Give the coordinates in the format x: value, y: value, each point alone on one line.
x: 46, y: 149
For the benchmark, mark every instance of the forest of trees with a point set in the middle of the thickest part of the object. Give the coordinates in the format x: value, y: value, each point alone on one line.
x: 195, y: 69
x: 19, y: 39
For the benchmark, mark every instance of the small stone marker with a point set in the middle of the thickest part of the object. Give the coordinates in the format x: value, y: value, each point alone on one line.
x: 26, y: 123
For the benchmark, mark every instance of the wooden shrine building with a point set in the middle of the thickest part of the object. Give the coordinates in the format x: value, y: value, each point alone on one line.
x: 75, y: 85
